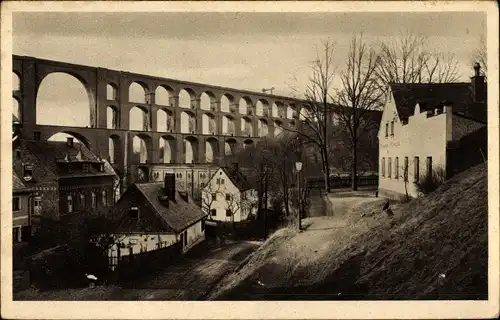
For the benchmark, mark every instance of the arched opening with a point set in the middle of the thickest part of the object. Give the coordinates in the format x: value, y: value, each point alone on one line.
x: 65, y: 96
x: 64, y: 135
x: 167, y: 149
x: 162, y: 96
x: 113, y: 148
x: 246, y: 127
x: 137, y: 93
x: 262, y: 108
x: 190, y: 150
x: 289, y: 112
x: 211, y: 150
x: 278, y: 128
x: 111, y: 117
x: 16, y: 109
x: 228, y: 127
x: 245, y: 106
x: 187, y: 99
x: 161, y: 120
x: 16, y: 82
x: 304, y: 114
x: 209, y: 126
x: 140, y: 149
x: 275, y: 110
x: 188, y: 122
x: 230, y: 147
x: 263, y: 129
x: 111, y: 92
x: 142, y: 174
x: 138, y: 119
x: 207, y: 101
x: 226, y: 103
x: 247, y: 143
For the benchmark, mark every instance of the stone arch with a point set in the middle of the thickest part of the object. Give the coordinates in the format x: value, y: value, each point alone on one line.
x: 138, y: 119
x: 289, y: 111
x: 211, y: 150
x: 190, y: 149
x: 16, y: 81
x: 209, y: 124
x: 112, y: 117
x: 275, y: 110
x: 161, y: 120
x: 141, y: 144
x: 77, y: 137
x: 263, y: 127
x: 188, y: 122
x: 187, y: 98
x: 304, y: 113
x: 246, y: 127
x: 245, y: 106
x: 16, y: 108
x: 137, y: 92
x: 167, y: 149
x: 278, y: 128
x: 113, y: 148
x: 66, y: 95
x: 248, y: 143
x: 228, y: 125
x: 208, y: 101
x: 230, y: 147
x: 262, y: 108
x: 226, y: 103
x: 163, y: 94
x: 111, y: 91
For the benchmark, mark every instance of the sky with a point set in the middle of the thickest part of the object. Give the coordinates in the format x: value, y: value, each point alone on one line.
x: 243, y: 50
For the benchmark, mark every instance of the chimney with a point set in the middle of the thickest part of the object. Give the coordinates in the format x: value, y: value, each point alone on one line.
x: 170, y: 185
x: 478, y: 84
x: 69, y: 141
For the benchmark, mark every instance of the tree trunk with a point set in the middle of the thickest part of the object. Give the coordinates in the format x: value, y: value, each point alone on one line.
x: 354, y: 166
x: 326, y: 169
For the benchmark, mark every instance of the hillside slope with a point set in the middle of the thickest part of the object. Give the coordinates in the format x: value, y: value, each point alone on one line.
x: 377, y: 257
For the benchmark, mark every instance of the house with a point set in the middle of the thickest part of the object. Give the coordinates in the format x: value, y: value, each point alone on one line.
x: 430, y: 128
x: 229, y: 196
x: 66, y: 178
x: 21, y: 209
x: 151, y: 216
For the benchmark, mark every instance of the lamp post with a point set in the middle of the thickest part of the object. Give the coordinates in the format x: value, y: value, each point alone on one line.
x: 298, y: 167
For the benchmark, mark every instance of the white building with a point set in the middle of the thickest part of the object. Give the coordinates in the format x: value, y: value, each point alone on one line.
x: 423, y: 129
x: 229, y: 196
x: 151, y: 216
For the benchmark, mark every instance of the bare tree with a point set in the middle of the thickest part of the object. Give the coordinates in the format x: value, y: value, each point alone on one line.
x: 209, y: 194
x: 313, y: 118
x: 480, y: 55
x: 238, y: 203
x: 407, y: 60
x: 359, y: 96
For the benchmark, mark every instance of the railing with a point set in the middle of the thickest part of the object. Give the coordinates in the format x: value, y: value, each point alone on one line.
x: 342, y: 182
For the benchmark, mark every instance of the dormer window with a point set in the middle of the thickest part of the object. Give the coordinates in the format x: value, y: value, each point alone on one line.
x: 134, y: 213
x: 28, y: 172
x: 69, y: 200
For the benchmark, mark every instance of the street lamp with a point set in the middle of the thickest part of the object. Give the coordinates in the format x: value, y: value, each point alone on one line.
x: 298, y: 167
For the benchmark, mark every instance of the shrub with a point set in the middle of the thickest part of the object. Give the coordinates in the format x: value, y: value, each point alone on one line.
x: 431, y: 182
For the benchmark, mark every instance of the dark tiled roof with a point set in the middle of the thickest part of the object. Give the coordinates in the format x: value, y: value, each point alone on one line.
x: 430, y: 96
x: 17, y: 183
x: 237, y: 178
x: 44, y: 156
x: 179, y: 214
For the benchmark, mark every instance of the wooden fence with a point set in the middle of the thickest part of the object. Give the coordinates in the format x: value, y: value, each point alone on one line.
x: 342, y: 182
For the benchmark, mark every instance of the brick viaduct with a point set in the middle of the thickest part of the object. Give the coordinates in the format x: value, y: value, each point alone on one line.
x: 232, y: 118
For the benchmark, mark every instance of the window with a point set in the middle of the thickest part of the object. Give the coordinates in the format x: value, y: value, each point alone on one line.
x: 243, y: 196
x: 101, y: 167
x: 37, y: 135
x: 429, y: 166
x: 82, y: 200
x: 16, y: 234
x: 70, y: 204
x: 405, y: 171
x: 383, y: 167
x: 214, y: 196
x: 104, y: 198
x: 86, y: 167
x: 203, y: 225
x: 94, y: 199
x: 392, y: 128
x: 185, y: 238
x: 202, y: 185
x: 228, y: 197
x: 229, y: 213
x: 221, y: 181
x: 386, y: 130
x: 16, y: 204
x: 213, y: 212
x: 28, y: 172
x: 389, y: 167
x: 396, y: 168
x: 18, y: 154
x: 134, y: 213
x: 37, y: 206
x: 417, y: 171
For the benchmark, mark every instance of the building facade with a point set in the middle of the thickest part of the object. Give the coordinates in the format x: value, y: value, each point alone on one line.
x: 65, y: 178
x: 420, y: 127
x: 22, y: 207
x: 229, y: 196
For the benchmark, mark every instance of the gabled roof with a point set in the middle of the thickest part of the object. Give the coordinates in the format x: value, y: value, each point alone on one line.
x: 17, y: 183
x: 237, y: 178
x: 179, y: 214
x: 45, y: 155
x: 432, y: 95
